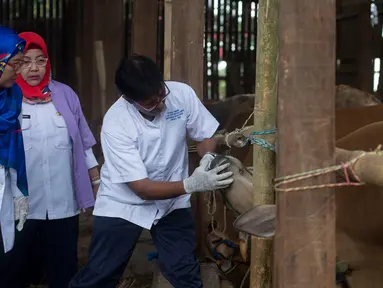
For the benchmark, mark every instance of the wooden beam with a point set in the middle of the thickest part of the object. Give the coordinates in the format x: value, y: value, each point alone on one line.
x: 87, y: 60
x: 103, y: 23
x: 187, y: 43
x: 168, y: 39
x: 97, y: 58
x: 144, y: 30
x: 184, y: 62
x: 109, y: 28
x: 305, y: 236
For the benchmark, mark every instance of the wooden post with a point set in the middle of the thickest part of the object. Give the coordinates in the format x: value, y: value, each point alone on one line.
x: 184, y: 62
x: 144, y: 30
x: 187, y: 42
x: 305, y: 235
x: 103, y: 21
x: 264, y: 119
x: 101, y: 69
x: 168, y: 39
x: 89, y: 85
x: 184, y: 32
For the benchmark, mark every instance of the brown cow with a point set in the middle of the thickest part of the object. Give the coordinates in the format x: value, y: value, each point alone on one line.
x: 348, y: 97
x: 345, y: 122
x: 359, y: 223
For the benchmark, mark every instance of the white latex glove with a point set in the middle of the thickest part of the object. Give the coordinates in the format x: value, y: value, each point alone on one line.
x: 21, y: 211
x: 203, y: 179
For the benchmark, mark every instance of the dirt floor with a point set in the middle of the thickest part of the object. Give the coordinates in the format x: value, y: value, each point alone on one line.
x: 138, y: 273
x: 365, y: 260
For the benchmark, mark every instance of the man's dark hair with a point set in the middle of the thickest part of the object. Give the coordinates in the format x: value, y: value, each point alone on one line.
x: 138, y: 78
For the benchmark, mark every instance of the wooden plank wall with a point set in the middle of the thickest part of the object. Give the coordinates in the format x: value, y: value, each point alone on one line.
x: 358, y: 43
x: 229, y: 36
x: 144, y: 34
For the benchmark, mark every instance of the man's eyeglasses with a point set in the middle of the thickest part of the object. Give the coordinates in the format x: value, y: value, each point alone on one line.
x: 151, y: 106
x: 154, y: 102
x: 40, y: 62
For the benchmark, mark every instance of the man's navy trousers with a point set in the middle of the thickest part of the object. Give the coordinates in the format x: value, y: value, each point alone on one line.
x: 113, y: 242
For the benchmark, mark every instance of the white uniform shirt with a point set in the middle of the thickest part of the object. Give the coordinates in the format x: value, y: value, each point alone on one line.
x: 48, y: 155
x: 8, y: 191
x: 135, y: 148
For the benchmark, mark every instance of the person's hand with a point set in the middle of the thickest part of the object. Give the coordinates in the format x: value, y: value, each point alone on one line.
x: 204, y: 179
x: 21, y: 211
x: 95, y: 190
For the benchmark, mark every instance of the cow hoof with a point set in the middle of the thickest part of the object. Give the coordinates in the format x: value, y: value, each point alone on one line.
x: 258, y: 221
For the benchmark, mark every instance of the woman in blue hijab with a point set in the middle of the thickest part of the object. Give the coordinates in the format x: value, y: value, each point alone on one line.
x: 13, y: 180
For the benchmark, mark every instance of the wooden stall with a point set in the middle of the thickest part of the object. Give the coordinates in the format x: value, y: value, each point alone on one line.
x: 194, y: 33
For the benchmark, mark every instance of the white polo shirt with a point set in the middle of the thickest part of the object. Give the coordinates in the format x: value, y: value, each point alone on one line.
x: 135, y: 148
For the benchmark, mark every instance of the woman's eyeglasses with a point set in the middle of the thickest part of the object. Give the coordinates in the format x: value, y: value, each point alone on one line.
x: 41, y: 62
x: 16, y: 65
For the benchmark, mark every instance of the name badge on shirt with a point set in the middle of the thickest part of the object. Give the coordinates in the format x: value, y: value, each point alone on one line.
x: 174, y: 115
x: 26, y: 116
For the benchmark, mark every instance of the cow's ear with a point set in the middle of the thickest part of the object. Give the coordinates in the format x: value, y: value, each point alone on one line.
x: 258, y: 221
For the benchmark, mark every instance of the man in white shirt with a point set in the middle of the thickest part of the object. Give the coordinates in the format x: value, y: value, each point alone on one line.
x: 145, y: 181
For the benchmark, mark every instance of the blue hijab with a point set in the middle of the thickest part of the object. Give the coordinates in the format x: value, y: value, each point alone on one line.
x: 11, y: 139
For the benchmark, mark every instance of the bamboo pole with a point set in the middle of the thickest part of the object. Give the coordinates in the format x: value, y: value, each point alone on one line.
x: 264, y: 119
x: 168, y: 18
x: 304, y: 242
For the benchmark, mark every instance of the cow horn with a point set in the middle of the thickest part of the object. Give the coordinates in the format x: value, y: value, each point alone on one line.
x: 258, y: 221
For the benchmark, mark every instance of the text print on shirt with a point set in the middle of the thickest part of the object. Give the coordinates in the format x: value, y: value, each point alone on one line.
x: 174, y: 115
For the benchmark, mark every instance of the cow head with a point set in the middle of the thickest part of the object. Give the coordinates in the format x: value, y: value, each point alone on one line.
x: 238, y: 197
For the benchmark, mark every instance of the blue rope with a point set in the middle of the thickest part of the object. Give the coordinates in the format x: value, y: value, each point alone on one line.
x: 262, y: 142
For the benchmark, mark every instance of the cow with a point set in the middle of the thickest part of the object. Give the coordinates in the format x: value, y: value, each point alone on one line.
x: 358, y: 226
x: 349, y: 97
